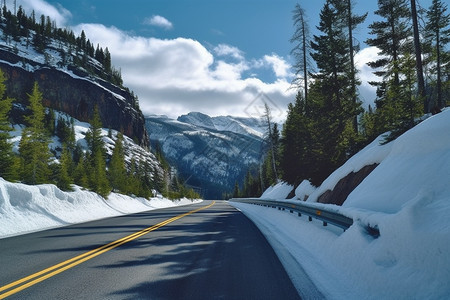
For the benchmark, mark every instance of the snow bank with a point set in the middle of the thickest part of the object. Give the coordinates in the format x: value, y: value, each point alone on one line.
x: 304, y: 190
x: 279, y: 191
x: 410, y: 260
x: 407, y: 197
x: 25, y: 208
x: 418, y: 165
x: 371, y: 154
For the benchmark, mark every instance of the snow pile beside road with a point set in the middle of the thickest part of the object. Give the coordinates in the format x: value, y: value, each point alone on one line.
x: 407, y: 197
x: 279, y: 191
x: 25, y: 208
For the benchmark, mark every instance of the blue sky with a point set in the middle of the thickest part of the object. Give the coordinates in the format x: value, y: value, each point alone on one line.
x: 213, y: 56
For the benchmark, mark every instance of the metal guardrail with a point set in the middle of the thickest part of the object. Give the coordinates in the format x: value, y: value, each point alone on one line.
x: 326, y: 216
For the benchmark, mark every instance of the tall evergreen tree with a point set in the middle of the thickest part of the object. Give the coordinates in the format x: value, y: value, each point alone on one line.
x: 267, y: 119
x: 34, y: 152
x: 301, y: 50
x: 6, y: 153
x: 333, y: 107
x: 117, y: 170
x: 64, y: 179
x: 296, y: 143
x: 352, y: 21
x: 437, y: 33
x: 98, y: 180
x: 418, y: 52
x: 391, y: 36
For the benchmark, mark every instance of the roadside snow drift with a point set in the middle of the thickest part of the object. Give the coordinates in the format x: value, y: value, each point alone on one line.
x: 25, y: 208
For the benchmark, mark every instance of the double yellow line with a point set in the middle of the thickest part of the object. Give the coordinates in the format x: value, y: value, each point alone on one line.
x: 31, y: 280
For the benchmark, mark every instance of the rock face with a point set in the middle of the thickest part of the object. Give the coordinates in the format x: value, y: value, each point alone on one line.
x: 73, y: 92
x: 345, y: 186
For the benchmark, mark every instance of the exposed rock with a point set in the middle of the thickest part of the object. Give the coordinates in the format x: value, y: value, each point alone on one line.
x: 345, y: 186
x: 75, y: 95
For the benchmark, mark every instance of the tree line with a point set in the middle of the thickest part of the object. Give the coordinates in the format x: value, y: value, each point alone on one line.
x: 39, y: 32
x: 92, y: 168
x: 326, y: 123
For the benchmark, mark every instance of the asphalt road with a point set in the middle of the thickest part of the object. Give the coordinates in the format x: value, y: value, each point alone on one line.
x: 213, y: 253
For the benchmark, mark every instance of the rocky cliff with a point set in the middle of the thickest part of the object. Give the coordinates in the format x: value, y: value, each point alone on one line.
x: 73, y: 91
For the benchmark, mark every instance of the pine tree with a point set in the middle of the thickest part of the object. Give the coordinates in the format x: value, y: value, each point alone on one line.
x: 301, y: 50
x: 418, y: 52
x: 6, y: 153
x: 98, y: 180
x: 331, y: 103
x: 64, y: 179
x: 267, y: 119
x: 352, y: 21
x: 117, y: 171
x: 80, y: 174
x: 34, y: 152
x: 437, y: 33
x: 296, y: 143
x: 391, y: 37
x: 236, y: 191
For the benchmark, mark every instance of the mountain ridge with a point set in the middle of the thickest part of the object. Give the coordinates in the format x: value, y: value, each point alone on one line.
x: 59, y: 68
x: 206, y: 157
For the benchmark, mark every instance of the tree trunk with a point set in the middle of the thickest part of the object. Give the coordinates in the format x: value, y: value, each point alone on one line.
x: 418, y: 50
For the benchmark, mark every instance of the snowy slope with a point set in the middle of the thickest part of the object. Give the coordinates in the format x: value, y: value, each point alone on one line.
x: 25, y: 208
x: 131, y: 149
x: 407, y: 197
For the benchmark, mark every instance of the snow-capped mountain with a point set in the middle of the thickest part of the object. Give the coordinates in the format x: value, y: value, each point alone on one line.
x: 245, y: 126
x: 209, y: 152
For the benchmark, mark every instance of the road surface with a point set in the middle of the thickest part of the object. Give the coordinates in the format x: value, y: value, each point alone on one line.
x: 203, y: 251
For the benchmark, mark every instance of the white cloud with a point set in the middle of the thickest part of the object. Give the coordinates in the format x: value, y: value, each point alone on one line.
x: 158, y: 21
x: 58, y: 14
x: 227, y: 50
x: 175, y: 76
x: 280, y: 67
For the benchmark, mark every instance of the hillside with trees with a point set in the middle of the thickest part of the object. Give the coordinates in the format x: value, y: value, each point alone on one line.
x: 51, y: 84
x: 326, y: 123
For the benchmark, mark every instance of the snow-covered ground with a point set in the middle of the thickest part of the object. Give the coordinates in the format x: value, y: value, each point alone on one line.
x: 279, y: 191
x: 25, y: 208
x: 407, y: 197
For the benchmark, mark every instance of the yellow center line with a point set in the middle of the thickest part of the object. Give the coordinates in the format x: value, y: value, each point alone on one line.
x: 70, y: 263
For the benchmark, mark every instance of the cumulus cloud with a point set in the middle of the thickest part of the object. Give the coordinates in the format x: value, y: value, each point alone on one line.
x: 57, y: 13
x: 227, y: 50
x: 158, y: 21
x: 175, y: 76
x: 280, y: 67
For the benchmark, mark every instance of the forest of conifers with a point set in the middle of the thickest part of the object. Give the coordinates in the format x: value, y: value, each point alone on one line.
x: 326, y: 124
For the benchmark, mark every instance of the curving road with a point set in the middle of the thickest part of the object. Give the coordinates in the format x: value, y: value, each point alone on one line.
x: 212, y: 253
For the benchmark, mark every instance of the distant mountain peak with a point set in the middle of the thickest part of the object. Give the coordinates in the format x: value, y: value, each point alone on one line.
x: 245, y: 126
